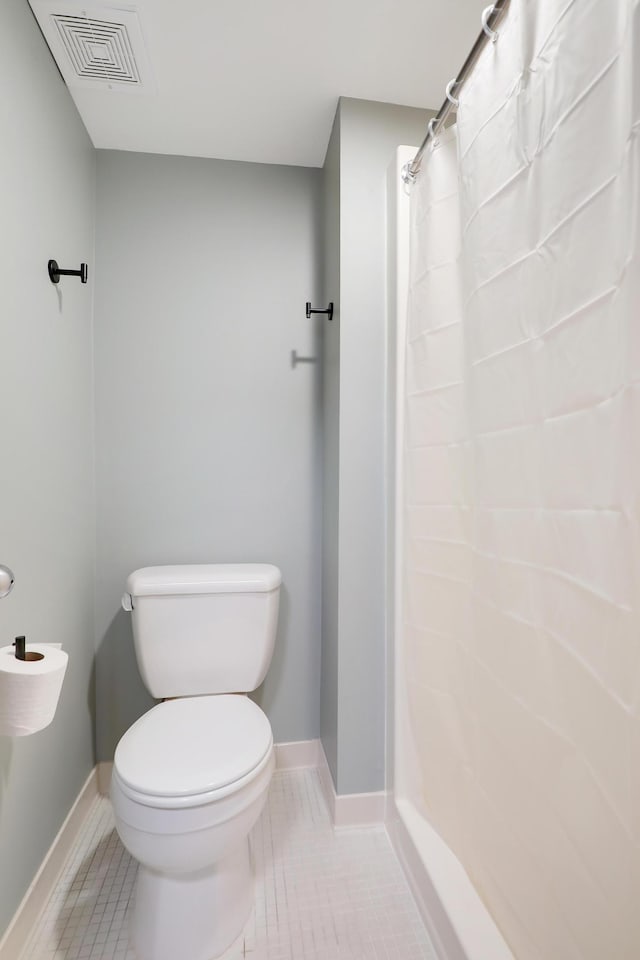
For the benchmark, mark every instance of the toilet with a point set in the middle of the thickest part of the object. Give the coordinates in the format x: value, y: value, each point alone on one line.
x: 190, y: 777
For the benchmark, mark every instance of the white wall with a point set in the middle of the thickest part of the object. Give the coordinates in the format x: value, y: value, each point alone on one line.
x: 46, y: 482
x: 208, y: 441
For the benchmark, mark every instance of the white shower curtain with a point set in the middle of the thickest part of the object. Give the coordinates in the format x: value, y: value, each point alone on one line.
x: 522, y: 463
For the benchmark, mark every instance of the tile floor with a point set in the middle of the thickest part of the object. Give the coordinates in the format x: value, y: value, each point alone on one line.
x: 320, y: 894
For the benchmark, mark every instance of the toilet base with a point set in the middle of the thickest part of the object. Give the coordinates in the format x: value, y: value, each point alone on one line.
x: 193, y: 916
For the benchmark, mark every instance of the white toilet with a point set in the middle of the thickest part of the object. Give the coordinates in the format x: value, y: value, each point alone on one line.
x: 190, y: 777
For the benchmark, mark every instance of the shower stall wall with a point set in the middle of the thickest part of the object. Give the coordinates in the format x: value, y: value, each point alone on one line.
x: 516, y: 730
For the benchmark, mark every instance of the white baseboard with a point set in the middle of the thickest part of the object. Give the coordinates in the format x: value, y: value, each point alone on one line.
x: 352, y: 809
x: 37, y: 896
x: 299, y: 753
x: 104, y: 769
x: 326, y: 782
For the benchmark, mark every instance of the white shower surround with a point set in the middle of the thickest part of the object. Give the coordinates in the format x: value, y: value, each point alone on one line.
x: 516, y: 729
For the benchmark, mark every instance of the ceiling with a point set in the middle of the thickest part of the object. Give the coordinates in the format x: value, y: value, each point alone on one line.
x: 259, y: 80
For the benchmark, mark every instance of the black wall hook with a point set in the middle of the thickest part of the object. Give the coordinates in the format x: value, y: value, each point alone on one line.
x: 328, y: 311
x: 55, y: 272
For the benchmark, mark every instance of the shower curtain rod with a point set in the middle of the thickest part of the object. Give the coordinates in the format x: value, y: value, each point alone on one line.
x: 490, y: 19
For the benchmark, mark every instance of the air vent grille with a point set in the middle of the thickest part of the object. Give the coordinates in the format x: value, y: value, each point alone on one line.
x: 98, y: 49
x: 98, y: 46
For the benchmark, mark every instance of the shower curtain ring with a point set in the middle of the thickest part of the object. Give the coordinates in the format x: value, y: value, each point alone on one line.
x: 407, y: 175
x: 486, y: 13
x: 431, y: 127
x: 453, y: 100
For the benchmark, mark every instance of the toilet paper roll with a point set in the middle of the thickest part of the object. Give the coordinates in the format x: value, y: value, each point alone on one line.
x: 30, y: 689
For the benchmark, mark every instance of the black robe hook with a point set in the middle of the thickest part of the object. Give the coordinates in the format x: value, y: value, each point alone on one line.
x: 55, y: 272
x: 328, y: 311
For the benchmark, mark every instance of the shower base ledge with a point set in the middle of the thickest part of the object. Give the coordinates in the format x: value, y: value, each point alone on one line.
x: 457, y: 920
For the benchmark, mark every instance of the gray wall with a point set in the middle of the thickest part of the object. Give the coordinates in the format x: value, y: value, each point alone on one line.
x: 46, y: 481
x: 331, y: 449
x: 368, y: 136
x: 208, y: 440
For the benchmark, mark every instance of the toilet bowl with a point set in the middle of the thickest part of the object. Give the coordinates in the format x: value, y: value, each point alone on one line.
x: 189, y: 782
x: 191, y: 776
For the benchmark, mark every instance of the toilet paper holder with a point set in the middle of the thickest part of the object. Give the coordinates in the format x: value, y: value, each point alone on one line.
x: 30, y: 688
x: 20, y: 643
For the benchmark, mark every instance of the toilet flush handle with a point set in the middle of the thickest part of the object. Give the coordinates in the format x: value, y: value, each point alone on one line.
x: 127, y: 602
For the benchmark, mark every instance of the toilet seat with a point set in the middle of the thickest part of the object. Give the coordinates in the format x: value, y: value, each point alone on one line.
x: 193, y: 750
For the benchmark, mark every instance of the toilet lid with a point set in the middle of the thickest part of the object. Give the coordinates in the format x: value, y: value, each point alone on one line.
x: 193, y: 745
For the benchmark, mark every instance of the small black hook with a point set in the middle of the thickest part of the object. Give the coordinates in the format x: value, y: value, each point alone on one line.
x: 55, y: 272
x: 328, y: 311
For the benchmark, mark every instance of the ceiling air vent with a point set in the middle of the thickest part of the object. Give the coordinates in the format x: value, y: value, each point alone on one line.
x: 95, y: 47
x: 98, y: 49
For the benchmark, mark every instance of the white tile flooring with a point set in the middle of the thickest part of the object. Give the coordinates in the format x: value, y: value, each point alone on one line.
x: 320, y: 894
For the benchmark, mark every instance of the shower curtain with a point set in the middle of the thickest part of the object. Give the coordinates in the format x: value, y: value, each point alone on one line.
x: 521, y: 578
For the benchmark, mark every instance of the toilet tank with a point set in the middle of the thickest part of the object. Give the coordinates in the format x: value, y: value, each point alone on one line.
x: 203, y: 628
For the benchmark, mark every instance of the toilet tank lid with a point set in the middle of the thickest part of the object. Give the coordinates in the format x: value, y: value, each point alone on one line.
x: 203, y: 578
